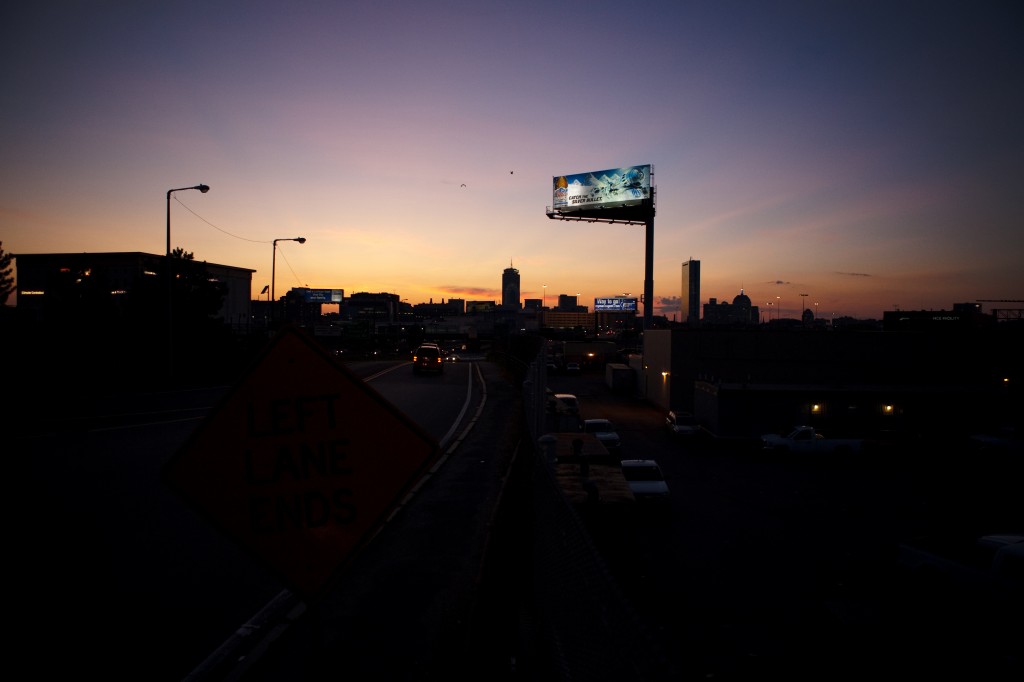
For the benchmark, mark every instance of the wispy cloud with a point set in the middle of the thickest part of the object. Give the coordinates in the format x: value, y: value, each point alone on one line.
x: 458, y: 290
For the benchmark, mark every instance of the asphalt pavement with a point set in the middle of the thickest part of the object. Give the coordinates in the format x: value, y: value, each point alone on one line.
x: 763, y: 567
x: 406, y: 606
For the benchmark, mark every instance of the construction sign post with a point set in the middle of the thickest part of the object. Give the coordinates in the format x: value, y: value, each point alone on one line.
x: 302, y: 463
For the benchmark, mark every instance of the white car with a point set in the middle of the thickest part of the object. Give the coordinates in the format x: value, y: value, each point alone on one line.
x: 645, y: 480
x: 604, y: 430
x: 567, y: 403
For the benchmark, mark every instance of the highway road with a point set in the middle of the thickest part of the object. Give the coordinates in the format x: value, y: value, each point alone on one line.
x: 766, y: 567
x: 115, y: 577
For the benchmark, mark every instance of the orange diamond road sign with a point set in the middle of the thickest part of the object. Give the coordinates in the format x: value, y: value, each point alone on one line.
x: 302, y: 463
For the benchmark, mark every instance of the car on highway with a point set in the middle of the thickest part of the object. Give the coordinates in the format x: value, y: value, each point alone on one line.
x: 646, y: 481
x: 427, y: 358
x: 605, y: 431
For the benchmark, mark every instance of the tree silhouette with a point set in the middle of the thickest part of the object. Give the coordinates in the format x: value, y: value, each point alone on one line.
x: 6, y: 280
x: 195, y: 295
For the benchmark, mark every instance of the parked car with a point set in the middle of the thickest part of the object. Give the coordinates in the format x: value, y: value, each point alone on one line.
x: 645, y: 480
x: 572, y: 368
x: 805, y: 440
x: 567, y: 403
x: 682, y: 424
x: 604, y: 430
x: 427, y: 358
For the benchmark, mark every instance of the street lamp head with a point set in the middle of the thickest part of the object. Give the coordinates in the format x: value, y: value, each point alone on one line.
x: 203, y: 188
x: 301, y: 240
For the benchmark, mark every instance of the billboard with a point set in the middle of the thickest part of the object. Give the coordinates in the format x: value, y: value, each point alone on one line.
x: 613, y: 188
x: 324, y: 295
x: 615, y: 305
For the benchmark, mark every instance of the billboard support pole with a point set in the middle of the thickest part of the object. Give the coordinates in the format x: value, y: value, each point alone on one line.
x: 649, y: 265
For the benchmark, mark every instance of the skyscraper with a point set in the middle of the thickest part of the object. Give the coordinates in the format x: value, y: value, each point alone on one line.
x: 689, y: 300
x: 510, y: 288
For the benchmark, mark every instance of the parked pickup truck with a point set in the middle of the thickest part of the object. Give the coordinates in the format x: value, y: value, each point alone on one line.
x: 804, y: 439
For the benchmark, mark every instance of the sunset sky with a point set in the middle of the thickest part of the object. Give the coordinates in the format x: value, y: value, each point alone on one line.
x: 868, y: 154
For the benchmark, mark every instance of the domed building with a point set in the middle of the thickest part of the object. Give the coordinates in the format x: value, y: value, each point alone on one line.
x: 739, y: 313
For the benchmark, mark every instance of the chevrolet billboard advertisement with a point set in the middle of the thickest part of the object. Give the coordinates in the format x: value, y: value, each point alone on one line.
x: 613, y: 188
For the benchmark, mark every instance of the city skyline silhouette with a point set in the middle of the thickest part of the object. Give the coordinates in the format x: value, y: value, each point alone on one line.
x: 864, y: 156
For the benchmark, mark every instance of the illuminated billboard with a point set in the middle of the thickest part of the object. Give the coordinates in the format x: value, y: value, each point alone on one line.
x: 324, y: 295
x: 614, y: 188
x: 615, y: 305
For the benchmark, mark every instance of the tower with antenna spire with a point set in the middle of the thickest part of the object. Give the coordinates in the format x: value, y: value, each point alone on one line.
x: 510, y: 288
x: 689, y: 298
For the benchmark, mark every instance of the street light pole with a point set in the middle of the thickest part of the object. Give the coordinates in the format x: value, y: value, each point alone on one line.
x: 202, y: 188
x: 273, y: 269
x: 170, y: 279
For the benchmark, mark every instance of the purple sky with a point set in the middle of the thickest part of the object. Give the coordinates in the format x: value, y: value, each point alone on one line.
x: 866, y: 154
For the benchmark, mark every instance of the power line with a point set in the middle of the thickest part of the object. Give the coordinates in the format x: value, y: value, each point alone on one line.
x: 255, y: 241
x: 290, y: 267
